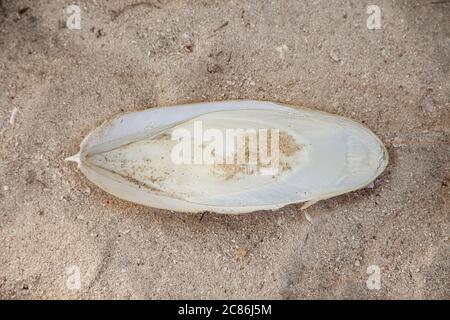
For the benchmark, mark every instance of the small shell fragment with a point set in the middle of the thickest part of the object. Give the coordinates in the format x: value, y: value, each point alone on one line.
x: 230, y: 157
x: 12, y: 119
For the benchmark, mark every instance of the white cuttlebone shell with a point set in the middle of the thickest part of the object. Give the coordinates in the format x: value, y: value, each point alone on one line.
x: 337, y: 155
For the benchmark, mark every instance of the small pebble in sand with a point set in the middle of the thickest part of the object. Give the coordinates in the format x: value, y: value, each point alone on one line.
x: 241, y: 253
x: 188, y: 48
x: 357, y: 263
x: 334, y: 55
x: 429, y: 107
x: 282, y: 50
x: 5, y: 188
x: 397, y: 142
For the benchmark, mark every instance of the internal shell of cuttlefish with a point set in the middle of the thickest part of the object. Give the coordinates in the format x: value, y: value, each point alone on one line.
x: 230, y: 157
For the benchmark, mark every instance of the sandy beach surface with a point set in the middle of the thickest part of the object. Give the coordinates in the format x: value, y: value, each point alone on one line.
x: 58, y: 83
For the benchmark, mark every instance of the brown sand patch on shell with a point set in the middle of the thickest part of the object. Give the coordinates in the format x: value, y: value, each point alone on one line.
x: 287, y: 148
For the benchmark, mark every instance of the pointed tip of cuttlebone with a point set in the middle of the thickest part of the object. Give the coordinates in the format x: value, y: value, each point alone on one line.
x: 75, y: 158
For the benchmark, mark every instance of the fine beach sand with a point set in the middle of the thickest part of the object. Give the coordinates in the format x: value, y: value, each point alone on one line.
x: 130, y: 55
